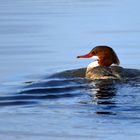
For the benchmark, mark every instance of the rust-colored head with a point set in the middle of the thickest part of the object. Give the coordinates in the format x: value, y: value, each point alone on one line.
x: 106, y: 55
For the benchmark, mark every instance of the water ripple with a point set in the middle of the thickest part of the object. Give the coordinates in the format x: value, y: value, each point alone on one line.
x: 68, y: 88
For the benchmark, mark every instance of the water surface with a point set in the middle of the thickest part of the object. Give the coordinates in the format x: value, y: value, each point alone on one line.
x: 39, y: 38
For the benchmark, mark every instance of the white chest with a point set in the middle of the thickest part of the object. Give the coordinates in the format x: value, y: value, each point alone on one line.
x: 92, y: 65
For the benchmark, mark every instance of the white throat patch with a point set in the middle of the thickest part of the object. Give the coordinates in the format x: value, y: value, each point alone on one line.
x: 94, y: 63
x: 95, y: 57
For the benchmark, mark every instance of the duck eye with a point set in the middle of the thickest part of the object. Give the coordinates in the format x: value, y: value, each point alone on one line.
x: 93, y: 53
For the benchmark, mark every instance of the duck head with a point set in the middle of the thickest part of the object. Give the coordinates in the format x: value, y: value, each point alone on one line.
x: 104, y: 55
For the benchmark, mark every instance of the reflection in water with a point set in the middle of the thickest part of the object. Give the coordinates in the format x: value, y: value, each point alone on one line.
x: 103, y: 94
x: 105, y: 89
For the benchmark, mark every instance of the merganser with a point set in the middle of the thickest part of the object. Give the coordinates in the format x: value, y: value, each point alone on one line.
x: 106, y: 64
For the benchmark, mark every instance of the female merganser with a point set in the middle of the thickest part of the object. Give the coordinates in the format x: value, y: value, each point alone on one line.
x: 106, y: 64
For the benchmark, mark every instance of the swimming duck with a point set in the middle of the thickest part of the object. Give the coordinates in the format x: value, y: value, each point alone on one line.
x: 105, y: 64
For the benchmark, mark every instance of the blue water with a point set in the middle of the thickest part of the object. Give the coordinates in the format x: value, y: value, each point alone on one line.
x: 39, y: 38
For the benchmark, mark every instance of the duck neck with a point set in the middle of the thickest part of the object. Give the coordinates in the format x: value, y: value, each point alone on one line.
x: 92, y: 65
